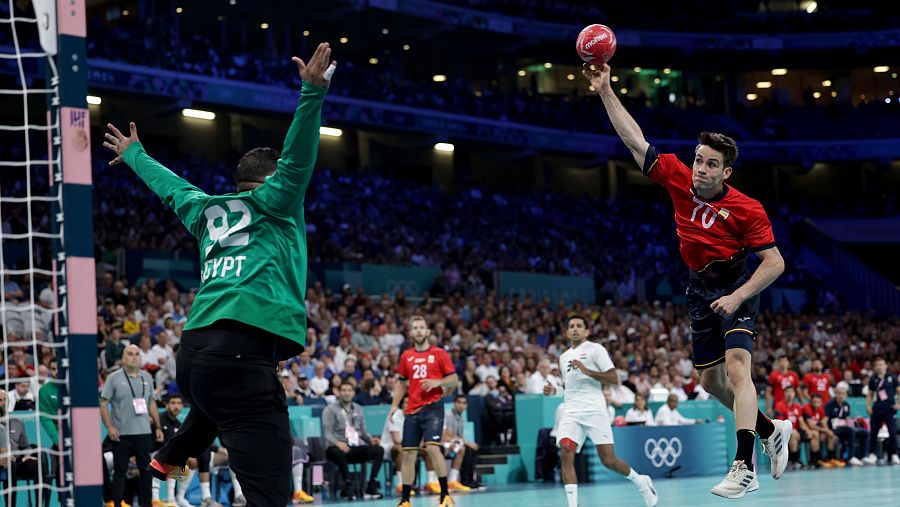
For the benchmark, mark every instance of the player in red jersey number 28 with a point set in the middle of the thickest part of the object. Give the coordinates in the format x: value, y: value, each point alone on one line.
x: 426, y: 371
x: 717, y: 227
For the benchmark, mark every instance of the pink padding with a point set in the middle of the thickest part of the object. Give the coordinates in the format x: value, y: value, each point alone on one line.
x: 70, y: 18
x: 86, y: 446
x: 76, y: 145
x: 81, y: 296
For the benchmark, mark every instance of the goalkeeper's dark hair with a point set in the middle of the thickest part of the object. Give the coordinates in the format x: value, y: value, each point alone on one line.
x: 256, y: 164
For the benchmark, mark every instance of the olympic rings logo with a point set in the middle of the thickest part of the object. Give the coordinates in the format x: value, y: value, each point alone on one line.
x: 663, y: 451
x: 408, y: 287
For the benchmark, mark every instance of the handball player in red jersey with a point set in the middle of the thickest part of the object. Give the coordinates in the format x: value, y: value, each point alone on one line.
x: 718, y: 227
x: 780, y: 379
x: 425, y: 371
x: 789, y: 409
x: 818, y: 382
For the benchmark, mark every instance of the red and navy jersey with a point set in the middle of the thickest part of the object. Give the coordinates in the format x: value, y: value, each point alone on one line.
x: 780, y: 381
x: 722, y: 229
x: 415, y: 367
x: 812, y: 415
x: 818, y: 383
x: 790, y: 412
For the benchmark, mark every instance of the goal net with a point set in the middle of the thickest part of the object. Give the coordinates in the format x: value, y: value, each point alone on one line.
x: 37, y: 448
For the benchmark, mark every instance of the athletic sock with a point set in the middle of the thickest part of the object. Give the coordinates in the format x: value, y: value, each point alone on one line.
x: 764, y: 426
x: 238, y: 491
x: 745, y: 441
x: 632, y: 475
x: 454, y: 475
x: 431, y: 476
x: 155, y: 489
x: 400, y: 478
x: 572, y: 494
x: 443, y: 483
x: 170, y: 490
x: 794, y: 456
x: 205, y: 491
x: 182, y: 490
x: 404, y: 495
x: 297, y: 471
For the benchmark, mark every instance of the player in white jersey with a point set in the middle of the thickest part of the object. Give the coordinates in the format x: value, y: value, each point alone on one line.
x: 585, y: 367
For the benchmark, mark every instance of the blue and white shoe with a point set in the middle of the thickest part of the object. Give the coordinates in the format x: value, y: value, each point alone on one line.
x: 776, y: 446
x: 739, y: 481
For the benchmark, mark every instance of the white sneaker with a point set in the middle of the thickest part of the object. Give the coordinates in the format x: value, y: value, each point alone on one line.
x: 181, y: 502
x: 855, y: 462
x: 239, y: 501
x: 895, y: 460
x: 871, y: 459
x: 648, y: 492
x: 776, y: 446
x: 739, y: 481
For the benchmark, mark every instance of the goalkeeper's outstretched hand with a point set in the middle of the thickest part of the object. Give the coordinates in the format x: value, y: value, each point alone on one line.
x: 117, y: 141
x: 320, y: 67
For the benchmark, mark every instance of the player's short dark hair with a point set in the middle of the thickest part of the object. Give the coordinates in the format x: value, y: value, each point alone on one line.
x: 173, y: 396
x: 461, y: 396
x: 256, y: 164
x: 878, y: 358
x: 721, y: 143
x: 576, y: 316
x: 346, y: 382
x: 817, y: 395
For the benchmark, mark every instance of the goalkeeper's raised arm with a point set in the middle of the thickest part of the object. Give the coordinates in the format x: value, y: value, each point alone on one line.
x: 184, y: 198
x: 284, y: 190
x: 624, y: 124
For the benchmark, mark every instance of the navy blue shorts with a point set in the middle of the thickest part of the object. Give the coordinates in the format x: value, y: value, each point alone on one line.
x: 425, y: 425
x: 713, y: 334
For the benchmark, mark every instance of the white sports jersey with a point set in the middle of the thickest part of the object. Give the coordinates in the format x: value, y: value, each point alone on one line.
x: 387, y: 441
x: 582, y: 393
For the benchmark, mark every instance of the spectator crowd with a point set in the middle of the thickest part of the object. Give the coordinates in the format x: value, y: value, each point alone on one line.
x: 501, y: 347
x: 157, y: 37
x: 204, y: 51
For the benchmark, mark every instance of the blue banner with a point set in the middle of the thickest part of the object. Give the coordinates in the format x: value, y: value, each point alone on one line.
x: 570, y: 289
x: 106, y: 75
x: 380, y: 279
x: 339, y: 109
x: 655, y: 450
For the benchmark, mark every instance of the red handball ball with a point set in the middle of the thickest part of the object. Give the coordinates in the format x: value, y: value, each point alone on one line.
x: 596, y: 44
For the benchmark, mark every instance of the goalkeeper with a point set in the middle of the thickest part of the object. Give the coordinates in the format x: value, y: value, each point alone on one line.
x: 250, y: 310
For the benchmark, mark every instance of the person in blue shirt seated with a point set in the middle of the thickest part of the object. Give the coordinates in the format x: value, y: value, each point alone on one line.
x: 853, y: 439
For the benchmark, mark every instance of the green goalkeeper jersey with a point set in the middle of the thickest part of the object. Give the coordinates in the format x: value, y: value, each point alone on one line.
x: 252, y: 243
